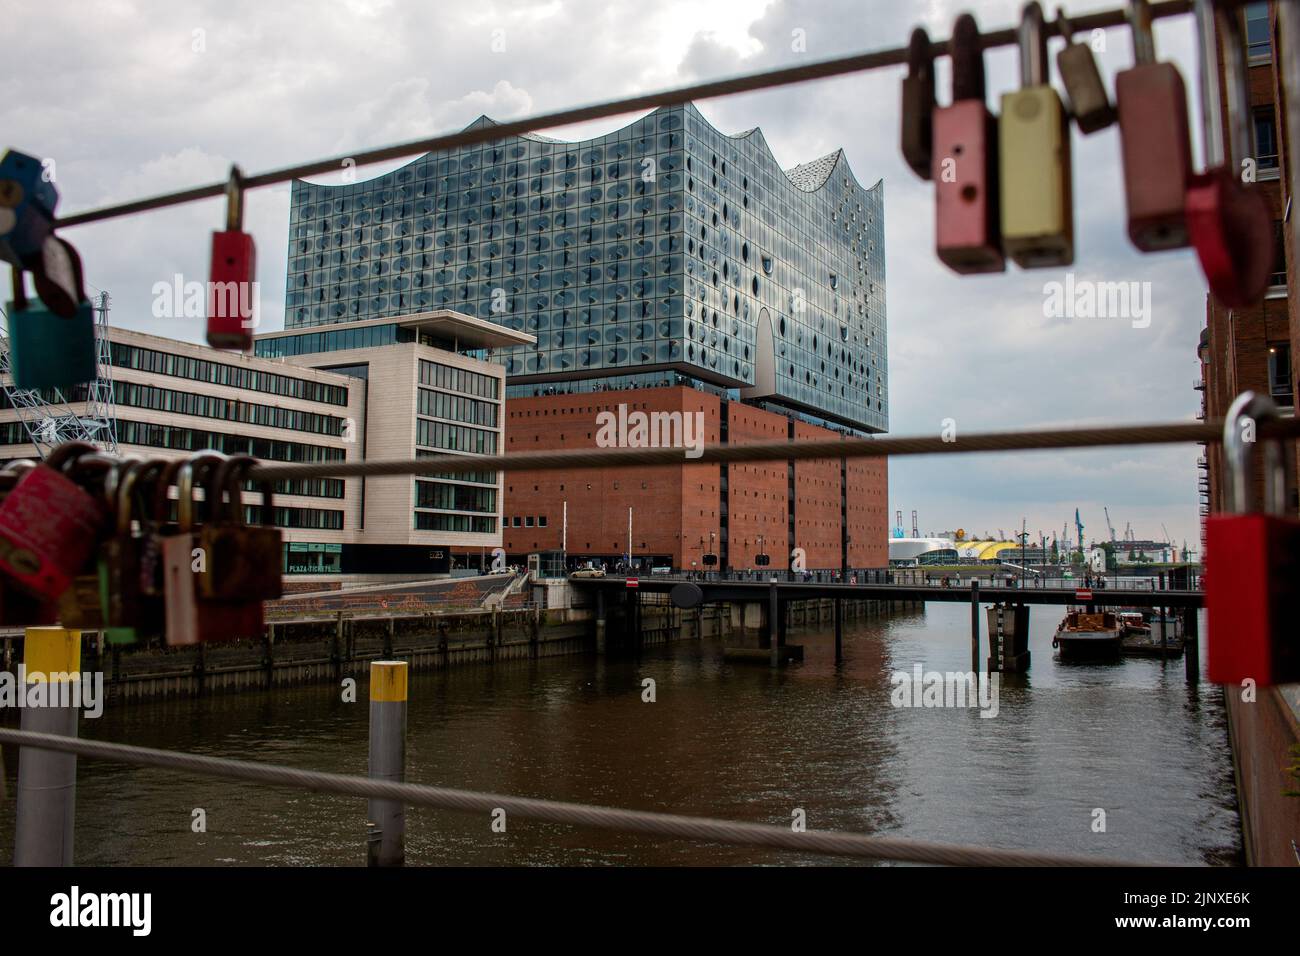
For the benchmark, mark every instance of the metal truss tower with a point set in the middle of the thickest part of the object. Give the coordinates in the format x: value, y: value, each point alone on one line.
x: 49, y: 417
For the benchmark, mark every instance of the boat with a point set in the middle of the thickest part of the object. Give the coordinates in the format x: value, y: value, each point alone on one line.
x: 1133, y: 623
x: 1085, y: 636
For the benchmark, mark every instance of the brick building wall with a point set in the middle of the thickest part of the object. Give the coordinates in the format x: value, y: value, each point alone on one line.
x: 678, y: 510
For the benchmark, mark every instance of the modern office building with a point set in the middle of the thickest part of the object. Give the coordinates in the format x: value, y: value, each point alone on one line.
x: 176, y: 397
x: 664, y: 258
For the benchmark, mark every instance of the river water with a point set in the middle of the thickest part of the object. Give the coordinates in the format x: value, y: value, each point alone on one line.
x: 1072, y: 747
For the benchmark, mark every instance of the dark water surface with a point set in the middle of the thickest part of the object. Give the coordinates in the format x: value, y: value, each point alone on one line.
x: 734, y: 741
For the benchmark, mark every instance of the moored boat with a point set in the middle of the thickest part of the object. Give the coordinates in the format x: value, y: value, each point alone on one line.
x: 1084, y: 636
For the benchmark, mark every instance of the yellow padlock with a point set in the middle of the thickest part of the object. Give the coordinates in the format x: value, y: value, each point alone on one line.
x: 1034, y: 155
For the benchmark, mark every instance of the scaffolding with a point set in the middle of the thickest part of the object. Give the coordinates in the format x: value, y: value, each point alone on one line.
x: 49, y: 417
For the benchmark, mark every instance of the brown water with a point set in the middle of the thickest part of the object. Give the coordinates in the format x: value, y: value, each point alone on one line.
x: 734, y: 741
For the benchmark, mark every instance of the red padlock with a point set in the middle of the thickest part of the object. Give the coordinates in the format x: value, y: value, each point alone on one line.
x: 1252, y: 564
x: 232, y: 286
x: 1228, y: 219
x: 50, y: 525
x: 968, y: 231
x: 1155, y: 144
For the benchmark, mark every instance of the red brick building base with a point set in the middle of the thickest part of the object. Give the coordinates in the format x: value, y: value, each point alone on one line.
x: 682, y: 512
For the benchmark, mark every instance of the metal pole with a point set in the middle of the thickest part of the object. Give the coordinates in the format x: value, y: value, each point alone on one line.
x: 974, y: 626
x: 772, y: 625
x: 386, y: 845
x: 1191, y: 646
x: 47, y: 781
x: 629, y: 539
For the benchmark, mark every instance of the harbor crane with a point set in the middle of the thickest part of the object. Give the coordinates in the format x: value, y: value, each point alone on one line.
x: 1109, y: 527
x: 1078, y: 524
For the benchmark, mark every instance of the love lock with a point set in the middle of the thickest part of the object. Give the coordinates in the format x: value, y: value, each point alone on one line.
x: 1228, y: 218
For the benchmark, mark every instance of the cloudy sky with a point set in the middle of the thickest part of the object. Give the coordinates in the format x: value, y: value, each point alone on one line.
x: 133, y: 98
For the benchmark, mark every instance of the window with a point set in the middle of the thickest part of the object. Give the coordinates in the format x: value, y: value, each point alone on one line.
x: 1279, y: 254
x: 528, y: 521
x: 1259, y: 42
x: 541, y: 521
x: 1279, y: 373
x: 1265, y: 138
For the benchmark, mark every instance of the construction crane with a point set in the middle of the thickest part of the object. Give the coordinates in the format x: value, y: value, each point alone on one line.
x: 48, y: 416
x: 1109, y: 527
x: 1078, y: 524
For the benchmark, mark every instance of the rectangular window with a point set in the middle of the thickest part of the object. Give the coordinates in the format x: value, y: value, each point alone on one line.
x: 1265, y: 138
x: 1259, y: 41
x: 1279, y: 373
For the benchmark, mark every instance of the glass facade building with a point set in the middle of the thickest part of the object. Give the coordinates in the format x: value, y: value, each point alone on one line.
x: 665, y: 250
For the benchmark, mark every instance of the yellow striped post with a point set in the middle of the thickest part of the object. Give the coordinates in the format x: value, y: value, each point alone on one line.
x: 386, y: 845
x: 47, y: 781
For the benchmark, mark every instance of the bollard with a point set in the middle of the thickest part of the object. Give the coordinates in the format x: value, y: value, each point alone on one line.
x: 386, y: 824
x: 47, y: 781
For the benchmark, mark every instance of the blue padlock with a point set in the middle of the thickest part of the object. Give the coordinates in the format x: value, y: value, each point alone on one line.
x: 27, y: 201
x: 45, y: 350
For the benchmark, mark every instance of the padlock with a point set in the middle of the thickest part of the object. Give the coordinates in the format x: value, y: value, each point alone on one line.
x: 189, y: 618
x: 1228, y: 219
x: 80, y: 606
x: 17, y: 607
x: 242, y: 562
x: 129, y: 614
x: 965, y: 164
x: 27, y: 201
x: 58, y: 276
x: 46, y: 351
x: 918, y: 105
x: 1034, y: 159
x: 1155, y: 144
x: 232, y: 290
x: 1252, y: 564
x: 49, y: 525
x: 1084, y: 88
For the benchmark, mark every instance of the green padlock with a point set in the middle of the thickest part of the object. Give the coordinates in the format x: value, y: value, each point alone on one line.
x: 46, y: 351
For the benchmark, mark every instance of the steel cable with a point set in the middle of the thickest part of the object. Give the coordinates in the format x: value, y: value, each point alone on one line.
x: 848, y: 447
x: 576, y: 814
x: 749, y: 83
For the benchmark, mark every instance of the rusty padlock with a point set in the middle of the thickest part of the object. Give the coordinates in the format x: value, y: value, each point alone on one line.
x: 968, y: 234
x: 129, y: 614
x: 918, y: 105
x: 232, y: 289
x: 1155, y: 144
x: 1252, y: 563
x: 17, y: 607
x: 243, y: 562
x: 50, y: 525
x: 1084, y: 88
x: 191, y: 619
x: 1228, y: 219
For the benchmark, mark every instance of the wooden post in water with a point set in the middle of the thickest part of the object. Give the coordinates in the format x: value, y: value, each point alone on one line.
x: 386, y: 844
x: 975, y: 626
x: 839, y: 630
x: 1191, y: 646
x: 47, y: 780
x: 772, y: 612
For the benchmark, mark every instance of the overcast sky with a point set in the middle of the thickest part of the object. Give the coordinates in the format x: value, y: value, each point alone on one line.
x: 132, y: 98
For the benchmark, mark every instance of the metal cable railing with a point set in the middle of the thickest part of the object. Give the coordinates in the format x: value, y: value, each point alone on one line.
x: 1092, y: 436
x: 768, y: 79
x: 664, y: 825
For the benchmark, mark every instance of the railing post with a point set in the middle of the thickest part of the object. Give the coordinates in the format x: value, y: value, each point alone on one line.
x: 386, y: 845
x: 47, y: 781
x: 974, y: 626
